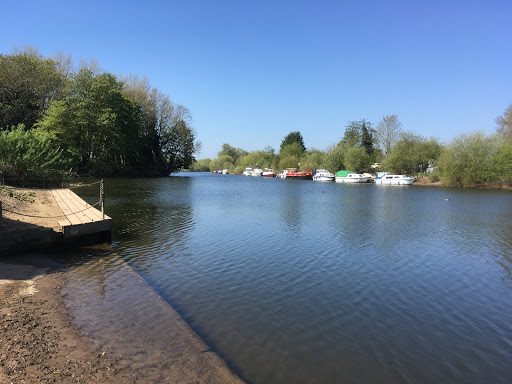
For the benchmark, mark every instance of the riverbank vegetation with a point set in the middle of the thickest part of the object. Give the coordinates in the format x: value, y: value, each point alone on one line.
x: 56, y: 117
x: 469, y: 160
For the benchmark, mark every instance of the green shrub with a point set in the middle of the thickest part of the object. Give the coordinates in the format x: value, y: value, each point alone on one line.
x: 30, y: 157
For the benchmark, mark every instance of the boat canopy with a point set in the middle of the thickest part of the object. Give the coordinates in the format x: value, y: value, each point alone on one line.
x: 343, y: 173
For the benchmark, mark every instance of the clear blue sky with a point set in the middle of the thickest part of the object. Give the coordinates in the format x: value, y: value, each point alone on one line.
x: 253, y: 71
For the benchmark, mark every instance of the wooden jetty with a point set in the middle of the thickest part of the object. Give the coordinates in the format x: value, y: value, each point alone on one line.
x: 80, y: 217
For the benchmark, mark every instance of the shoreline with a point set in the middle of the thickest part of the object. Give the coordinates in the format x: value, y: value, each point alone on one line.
x: 42, y: 341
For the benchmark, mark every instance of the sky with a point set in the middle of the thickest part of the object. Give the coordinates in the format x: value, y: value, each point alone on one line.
x: 253, y: 71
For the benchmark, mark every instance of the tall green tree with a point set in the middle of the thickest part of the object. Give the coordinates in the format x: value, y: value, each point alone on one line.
x: 28, y: 84
x: 178, y: 147
x: 291, y: 138
x: 94, y: 123
x: 359, y: 134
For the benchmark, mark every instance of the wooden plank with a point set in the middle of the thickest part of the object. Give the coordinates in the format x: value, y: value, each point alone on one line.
x: 78, y: 206
x: 92, y: 212
x: 65, y: 208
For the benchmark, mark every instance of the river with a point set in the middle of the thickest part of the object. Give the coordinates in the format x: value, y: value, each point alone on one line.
x: 304, y: 282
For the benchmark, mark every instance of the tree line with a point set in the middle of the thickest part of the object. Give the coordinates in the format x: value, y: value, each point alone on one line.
x: 55, y: 118
x: 469, y: 160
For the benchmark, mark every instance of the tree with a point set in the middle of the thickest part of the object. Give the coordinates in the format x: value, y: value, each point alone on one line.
x: 469, y: 160
x: 412, y: 154
x: 293, y: 137
x: 314, y: 158
x: 358, y: 134
x: 388, y: 132
x: 28, y: 84
x: 504, y: 123
x: 366, y: 138
x: 357, y: 159
x: 202, y: 165
x: 235, y: 153
x: 334, y: 160
x: 503, y: 163
x: 222, y: 162
x: 178, y: 147
x: 94, y: 123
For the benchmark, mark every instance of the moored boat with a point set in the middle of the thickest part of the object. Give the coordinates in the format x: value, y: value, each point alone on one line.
x: 386, y: 178
x: 257, y: 171
x: 299, y: 175
x: 323, y: 175
x: 247, y: 172
x: 351, y: 177
x: 267, y: 172
x: 225, y: 172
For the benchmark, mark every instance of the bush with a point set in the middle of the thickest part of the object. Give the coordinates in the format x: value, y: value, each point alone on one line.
x: 30, y: 158
x: 434, y: 177
x: 469, y: 161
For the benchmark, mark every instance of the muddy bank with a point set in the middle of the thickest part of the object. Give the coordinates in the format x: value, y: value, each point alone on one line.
x: 38, y: 343
x: 123, y: 333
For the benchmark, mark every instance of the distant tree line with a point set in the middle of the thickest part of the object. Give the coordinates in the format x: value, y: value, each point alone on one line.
x: 469, y: 160
x: 54, y: 118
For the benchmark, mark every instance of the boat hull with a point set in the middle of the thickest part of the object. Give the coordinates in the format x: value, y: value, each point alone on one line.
x: 407, y: 181
x: 352, y: 180
x: 323, y: 178
x: 299, y: 177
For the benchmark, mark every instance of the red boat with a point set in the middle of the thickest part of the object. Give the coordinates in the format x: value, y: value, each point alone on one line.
x: 267, y: 172
x: 298, y: 174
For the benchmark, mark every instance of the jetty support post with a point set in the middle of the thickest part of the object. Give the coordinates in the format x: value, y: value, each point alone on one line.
x: 102, y: 198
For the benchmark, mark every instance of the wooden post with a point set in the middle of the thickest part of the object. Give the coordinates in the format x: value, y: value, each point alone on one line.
x: 0, y: 211
x: 102, y: 198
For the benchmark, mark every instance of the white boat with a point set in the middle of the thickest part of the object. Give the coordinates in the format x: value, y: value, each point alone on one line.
x: 323, y: 175
x: 351, y: 177
x: 257, y: 171
x: 247, y: 172
x: 225, y: 172
x: 388, y: 179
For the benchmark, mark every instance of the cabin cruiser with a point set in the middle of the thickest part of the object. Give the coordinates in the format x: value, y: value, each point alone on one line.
x: 323, y: 175
x: 351, y: 177
x: 389, y: 179
x: 247, y: 172
x: 257, y: 171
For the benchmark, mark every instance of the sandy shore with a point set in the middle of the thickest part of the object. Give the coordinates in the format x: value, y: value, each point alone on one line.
x: 39, y: 343
x: 29, y: 218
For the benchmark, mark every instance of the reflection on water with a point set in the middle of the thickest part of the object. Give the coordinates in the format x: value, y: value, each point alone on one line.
x: 297, y: 281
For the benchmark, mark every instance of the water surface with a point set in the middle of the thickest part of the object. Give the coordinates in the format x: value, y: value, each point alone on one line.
x: 306, y: 282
